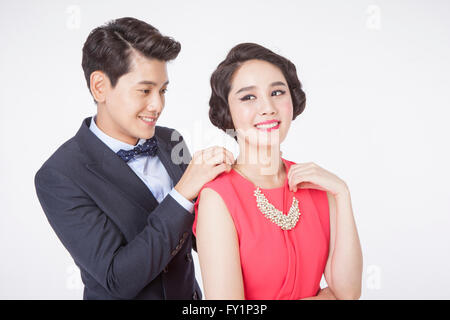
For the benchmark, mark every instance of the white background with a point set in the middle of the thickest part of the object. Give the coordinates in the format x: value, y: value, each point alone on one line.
x: 377, y: 79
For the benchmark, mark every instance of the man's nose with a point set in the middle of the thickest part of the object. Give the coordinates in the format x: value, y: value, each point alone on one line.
x: 156, y: 104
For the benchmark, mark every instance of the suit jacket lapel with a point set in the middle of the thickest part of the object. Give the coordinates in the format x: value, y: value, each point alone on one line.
x: 164, y: 154
x: 120, y: 176
x: 106, y: 164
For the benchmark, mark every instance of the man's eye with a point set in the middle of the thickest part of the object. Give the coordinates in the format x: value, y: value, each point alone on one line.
x: 145, y: 91
x: 278, y: 92
x: 248, y: 97
x: 163, y: 91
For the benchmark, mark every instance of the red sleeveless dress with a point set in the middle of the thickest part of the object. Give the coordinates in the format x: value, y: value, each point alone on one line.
x: 276, y: 264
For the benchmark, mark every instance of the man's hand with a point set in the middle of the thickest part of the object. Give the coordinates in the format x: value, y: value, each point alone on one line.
x: 204, y: 167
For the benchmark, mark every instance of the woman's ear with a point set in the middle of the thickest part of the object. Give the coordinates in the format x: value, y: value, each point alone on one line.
x: 99, y: 83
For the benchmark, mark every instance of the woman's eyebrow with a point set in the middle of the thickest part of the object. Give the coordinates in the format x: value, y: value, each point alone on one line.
x: 273, y: 84
x: 245, y: 89
x: 278, y: 83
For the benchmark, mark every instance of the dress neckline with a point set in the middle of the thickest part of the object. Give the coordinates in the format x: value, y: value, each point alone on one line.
x: 286, y: 168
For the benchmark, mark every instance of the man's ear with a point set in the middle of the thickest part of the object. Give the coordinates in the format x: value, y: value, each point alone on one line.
x: 99, y: 83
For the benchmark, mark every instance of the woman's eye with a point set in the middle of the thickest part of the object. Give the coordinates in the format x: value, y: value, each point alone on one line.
x: 163, y: 91
x: 278, y: 92
x: 248, y: 97
x: 145, y: 91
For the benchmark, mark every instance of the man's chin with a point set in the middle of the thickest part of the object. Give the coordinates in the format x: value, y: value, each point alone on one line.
x: 145, y: 131
x: 147, y: 135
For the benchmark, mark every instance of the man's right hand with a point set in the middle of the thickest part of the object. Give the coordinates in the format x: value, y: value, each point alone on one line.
x: 204, y: 167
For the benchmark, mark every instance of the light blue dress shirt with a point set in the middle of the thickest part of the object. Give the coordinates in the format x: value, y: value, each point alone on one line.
x: 149, y: 169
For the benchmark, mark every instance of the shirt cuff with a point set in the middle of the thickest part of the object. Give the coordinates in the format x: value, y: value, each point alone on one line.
x: 185, y: 203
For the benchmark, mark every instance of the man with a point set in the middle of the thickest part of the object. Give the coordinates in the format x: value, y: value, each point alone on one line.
x: 118, y: 194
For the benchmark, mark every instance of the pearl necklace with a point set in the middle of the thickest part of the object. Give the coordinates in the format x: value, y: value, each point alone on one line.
x: 285, y: 222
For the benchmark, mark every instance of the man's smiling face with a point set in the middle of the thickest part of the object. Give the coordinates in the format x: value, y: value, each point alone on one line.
x: 131, y: 108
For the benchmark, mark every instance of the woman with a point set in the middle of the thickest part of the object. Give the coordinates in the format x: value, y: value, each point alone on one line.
x: 270, y: 228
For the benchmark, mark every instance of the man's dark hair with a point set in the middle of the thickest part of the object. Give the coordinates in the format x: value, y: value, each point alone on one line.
x: 109, y: 48
x: 219, y: 111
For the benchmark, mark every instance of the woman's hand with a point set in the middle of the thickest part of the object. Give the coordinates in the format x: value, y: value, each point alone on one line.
x: 311, y: 176
x: 324, y: 294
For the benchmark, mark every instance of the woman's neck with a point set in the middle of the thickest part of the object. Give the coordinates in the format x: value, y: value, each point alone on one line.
x: 262, y: 165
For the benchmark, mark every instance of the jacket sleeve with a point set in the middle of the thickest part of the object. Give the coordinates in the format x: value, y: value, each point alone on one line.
x: 97, y: 244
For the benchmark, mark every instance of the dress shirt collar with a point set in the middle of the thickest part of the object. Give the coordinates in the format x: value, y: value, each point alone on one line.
x: 114, y: 144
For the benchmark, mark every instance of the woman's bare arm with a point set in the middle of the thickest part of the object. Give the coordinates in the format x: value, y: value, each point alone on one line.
x: 218, y: 249
x: 343, y: 271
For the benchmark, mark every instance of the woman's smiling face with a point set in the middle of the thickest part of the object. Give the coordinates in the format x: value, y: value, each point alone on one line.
x: 260, y: 103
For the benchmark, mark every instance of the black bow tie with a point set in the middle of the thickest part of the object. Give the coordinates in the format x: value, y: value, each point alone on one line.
x: 149, y: 147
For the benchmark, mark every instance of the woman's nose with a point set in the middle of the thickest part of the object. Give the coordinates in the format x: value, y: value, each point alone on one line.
x: 267, y: 107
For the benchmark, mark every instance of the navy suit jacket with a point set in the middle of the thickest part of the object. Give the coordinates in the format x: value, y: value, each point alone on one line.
x: 126, y: 245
